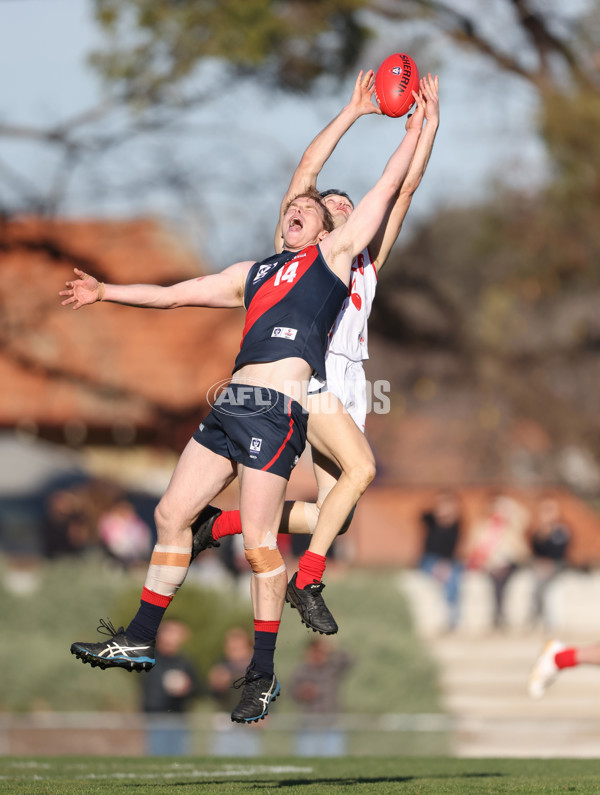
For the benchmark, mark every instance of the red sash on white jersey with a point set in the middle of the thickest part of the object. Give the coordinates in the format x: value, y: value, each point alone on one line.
x: 349, y: 335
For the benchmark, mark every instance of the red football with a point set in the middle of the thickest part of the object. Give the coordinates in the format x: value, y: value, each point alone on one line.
x: 396, y: 79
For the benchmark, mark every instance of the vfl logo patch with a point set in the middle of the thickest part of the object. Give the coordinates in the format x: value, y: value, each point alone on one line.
x: 255, y: 445
x: 285, y: 333
x: 397, y: 70
x: 263, y: 270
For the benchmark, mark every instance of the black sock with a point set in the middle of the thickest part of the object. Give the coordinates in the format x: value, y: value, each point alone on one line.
x: 264, y: 652
x: 145, y: 624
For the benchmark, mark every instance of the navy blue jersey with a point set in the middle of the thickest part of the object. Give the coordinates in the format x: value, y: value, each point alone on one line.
x: 292, y: 300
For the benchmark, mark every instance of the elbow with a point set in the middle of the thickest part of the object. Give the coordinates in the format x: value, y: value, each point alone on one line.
x: 411, y: 183
x: 166, y: 304
x: 170, y: 299
x: 392, y: 189
x: 408, y: 188
x: 309, y: 169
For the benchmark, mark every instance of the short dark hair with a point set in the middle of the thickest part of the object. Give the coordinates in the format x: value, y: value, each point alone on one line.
x: 336, y: 192
x: 314, y: 194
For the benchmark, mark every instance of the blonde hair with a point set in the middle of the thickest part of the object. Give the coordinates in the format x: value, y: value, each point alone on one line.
x: 313, y: 193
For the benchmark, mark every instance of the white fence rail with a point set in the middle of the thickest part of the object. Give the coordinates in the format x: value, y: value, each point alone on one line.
x: 110, y: 733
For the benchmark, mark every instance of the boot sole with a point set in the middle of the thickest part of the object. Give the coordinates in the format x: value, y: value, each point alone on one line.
x: 98, y: 662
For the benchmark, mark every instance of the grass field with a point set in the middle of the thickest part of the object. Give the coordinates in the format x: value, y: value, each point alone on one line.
x: 393, y: 674
x: 76, y: 775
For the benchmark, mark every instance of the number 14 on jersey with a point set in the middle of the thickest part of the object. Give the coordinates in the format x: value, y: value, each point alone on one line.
x: 286, y: 274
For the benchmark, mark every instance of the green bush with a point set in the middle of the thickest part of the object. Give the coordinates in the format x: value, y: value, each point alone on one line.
x: 208, y: 612
x: 392, y: 673
x: 66, y: 600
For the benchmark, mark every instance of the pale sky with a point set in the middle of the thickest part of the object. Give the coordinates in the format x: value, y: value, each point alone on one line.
x: 249, y: 143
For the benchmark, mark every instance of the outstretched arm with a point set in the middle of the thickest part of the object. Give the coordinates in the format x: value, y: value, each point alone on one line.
x: 321, y: 147
x: 387, y: 234
x: 345, y: 242
x: 225, y: 289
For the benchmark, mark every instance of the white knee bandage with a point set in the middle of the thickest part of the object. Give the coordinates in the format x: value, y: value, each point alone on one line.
x: 168, y: 568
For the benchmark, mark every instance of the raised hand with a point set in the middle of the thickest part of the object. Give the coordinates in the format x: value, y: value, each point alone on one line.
x: 83, y: 290
x: 361, y: 100
x: 416, y: 118
x: 429, y: 89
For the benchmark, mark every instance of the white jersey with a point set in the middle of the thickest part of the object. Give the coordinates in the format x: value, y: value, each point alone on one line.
x: 349, y: 336
x: 347, y: 346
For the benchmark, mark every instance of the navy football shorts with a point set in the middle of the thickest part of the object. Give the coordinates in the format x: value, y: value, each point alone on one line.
x: 257, y: 427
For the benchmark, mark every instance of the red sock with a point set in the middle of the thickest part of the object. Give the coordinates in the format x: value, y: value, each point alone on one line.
x: 266, y: 626
x: 566, y: 658
x: 227, y: 524
x: 310, y: 569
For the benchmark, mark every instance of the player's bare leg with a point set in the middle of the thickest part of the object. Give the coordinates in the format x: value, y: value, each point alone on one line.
x: 186, y: 495
x: 334, y: 435
x: 344, y: 467
x: 301, y: 518
x: 336, y: 439
x: 342, y: 459
x: 199, y: 476
x: 261, y: 503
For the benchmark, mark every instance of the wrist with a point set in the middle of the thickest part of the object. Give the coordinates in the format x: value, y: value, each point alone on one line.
x: 351, y: 113
x: 101, y: 291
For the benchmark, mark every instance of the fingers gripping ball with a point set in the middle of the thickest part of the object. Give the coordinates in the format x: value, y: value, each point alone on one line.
x: 396, y: 79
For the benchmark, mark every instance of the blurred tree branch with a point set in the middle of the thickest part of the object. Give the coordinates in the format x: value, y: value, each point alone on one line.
x: 492, y: 282
x: 561, y: 43
x: 153, y: 52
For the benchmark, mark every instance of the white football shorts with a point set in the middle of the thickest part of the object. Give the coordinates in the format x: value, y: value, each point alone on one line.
x: 346, y: 379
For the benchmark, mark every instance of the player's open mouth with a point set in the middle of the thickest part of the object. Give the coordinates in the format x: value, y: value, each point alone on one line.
x: 295, y: 222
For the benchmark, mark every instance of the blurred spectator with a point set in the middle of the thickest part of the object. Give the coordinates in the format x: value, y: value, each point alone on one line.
x: 125, y: 536
x: 497, y: 546
x: 549, y: 543
x: 168, y: 691
x: 441, y: 530
x: 231, y: 739
x: 67, y: 530
x: 237, y: 648
x: 315, y: 687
